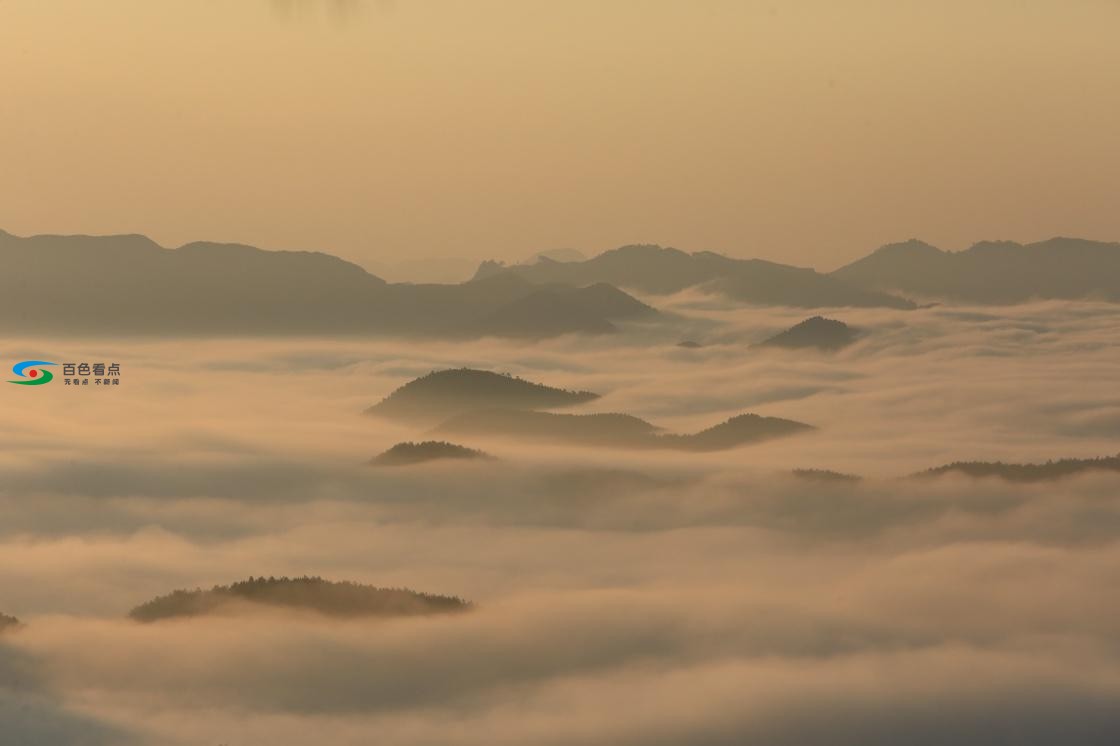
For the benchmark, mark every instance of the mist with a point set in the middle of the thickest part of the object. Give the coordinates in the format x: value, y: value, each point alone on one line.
x: 533, y: 373
x: 746, y: 602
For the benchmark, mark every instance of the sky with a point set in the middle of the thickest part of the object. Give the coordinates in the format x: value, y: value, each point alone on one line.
x: 621, y: 597
x: 801, y: 131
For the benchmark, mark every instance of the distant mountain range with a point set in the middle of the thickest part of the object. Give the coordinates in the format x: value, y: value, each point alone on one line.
x: 130, y: 284
x: 817, y: 333
x: 988, y: 273
x: 443, y: 394
x: 659, y: 271
x: 992, y: 272
x: 339, y: 599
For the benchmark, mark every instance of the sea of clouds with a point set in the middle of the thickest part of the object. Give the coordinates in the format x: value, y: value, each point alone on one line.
x: 622, y: 597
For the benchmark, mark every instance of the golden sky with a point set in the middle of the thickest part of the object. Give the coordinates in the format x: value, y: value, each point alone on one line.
x: 802, y: 131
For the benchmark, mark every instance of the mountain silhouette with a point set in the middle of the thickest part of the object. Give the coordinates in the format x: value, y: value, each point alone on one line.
x: 559, y: 309
x: 825, y: 475
x: 738, y: 430
x: 130, y: 284
x: 8, y: 623
x: 587, y: 429
x: 338, y: 599
x: 558, y: 255
x: 659, y: 271
x: 1026, y: 472
x: 992, y: 272
x: 615, y: 430
x: 444, y: 393
x: 406, y: 454
x: 818, y: 332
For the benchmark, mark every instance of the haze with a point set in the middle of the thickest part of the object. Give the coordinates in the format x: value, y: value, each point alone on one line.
x: 804, y: 132
x: 615, y: 373
x: 744, y: 603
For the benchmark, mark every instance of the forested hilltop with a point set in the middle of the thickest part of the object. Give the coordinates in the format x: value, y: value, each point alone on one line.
x: 340, y: 599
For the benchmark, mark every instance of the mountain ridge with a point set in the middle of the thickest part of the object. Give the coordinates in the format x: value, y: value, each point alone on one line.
x: 659, y: 270
x: 129, y: 284
x: 992, y: 272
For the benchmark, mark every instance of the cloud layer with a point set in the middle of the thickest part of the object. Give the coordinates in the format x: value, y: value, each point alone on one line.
x: 622, y: 598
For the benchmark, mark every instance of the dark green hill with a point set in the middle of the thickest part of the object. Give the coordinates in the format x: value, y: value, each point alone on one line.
x: 405, y: 454
x: 739, y: 430
x: 1026, y: 472
x: 815, y: 333
x: 825, y: 475
x: 445, y: 393
x: 343, y: 599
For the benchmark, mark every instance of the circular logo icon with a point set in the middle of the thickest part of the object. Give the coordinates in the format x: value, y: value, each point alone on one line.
x: 33, y: 373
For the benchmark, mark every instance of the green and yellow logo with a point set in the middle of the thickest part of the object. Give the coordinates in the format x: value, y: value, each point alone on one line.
x: 33, y: 371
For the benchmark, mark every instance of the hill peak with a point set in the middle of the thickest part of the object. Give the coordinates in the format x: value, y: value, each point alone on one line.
x: 342, y: 599
x: 910, y: 247
x: 406, y: 454
x: 488, y: 268
x: 817, y: 331
x: 643, y: 251
x: 445, y: 393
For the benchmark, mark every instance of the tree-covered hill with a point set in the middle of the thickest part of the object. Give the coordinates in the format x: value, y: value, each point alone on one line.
x: 1026, y: 472
x: 405, y: 454
x: 337, y: 599
x: 446, y: 393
